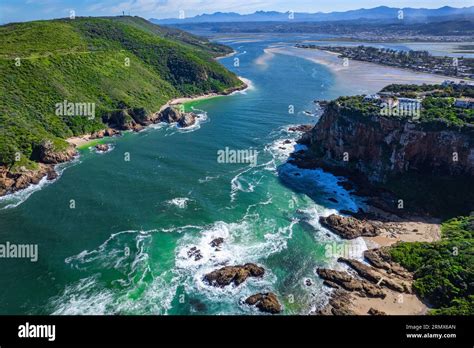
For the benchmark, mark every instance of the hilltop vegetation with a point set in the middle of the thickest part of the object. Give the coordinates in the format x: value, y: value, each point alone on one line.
x: 127, y: 66
x: 438, y: 103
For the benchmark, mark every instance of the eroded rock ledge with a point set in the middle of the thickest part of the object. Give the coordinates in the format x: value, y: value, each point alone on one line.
x: 349, y: 227
x: 378, y: 281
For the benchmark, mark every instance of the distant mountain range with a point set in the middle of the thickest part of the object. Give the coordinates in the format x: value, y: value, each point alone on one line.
x: 382, y: 13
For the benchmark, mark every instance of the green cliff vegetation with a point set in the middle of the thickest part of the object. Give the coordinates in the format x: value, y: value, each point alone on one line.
x: 127, y: 67
x: 437, y: 103
x: 443, y: 270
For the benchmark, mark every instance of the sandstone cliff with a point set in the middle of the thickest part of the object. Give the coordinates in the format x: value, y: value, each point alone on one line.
x: 417, y: 162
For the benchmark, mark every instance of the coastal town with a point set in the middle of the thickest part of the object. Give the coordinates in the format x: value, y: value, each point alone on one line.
x: 421, y: 61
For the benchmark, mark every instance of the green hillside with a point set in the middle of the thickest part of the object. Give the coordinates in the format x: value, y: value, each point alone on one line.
x: 127, y: 66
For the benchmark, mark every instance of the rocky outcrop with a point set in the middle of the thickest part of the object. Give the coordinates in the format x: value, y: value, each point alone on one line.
x: 349, y: 227
x: 376, y: 277
x: 195, y: 253
x: 381, y: 258
x: 109, y: 132
x: 14, y: 181
x: 233, y: 275
x: 301, y: 128
x: 265, y: 302
x: 349, y: 283
x: 187, y: 120
x: 173, y: 115
x: 102, y: 147
x: 379, y: 146
x: 394, y: 158
x: 217, y: 242
x: 20, y: 178
x: 373, y: 311
x: 47, y: 154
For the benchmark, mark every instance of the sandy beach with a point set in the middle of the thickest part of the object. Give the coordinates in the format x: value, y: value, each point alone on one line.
x: 359, y: 77
x: 395, y: 303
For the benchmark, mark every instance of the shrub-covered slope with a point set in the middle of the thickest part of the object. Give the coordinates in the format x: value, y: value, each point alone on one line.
x: 122, y: 63
x: 444, y: 270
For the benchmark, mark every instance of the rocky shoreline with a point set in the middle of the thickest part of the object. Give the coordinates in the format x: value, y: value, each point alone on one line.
x: 376, y: 285
x: 123, y: 120
x: 13, y: 181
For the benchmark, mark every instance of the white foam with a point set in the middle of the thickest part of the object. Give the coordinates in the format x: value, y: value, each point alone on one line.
x: 250, y: 86
x: 127, y: 253
x: 241, y: 245
x: 181, y: 202
x: 16, y: 198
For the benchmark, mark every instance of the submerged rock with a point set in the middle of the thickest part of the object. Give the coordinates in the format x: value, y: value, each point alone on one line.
x: 301, y: 128
x: 265, y: 302
x: 233, y: 274
x: 216, y: 243
x: 195, y: 253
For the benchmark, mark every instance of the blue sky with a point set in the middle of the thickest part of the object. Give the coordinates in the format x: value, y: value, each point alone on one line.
x: 24, y: 10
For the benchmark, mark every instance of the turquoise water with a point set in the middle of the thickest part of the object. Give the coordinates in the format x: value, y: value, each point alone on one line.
x: 123, y: 248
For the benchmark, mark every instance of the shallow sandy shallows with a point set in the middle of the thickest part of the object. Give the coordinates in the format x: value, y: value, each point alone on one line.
x: 359, y: 77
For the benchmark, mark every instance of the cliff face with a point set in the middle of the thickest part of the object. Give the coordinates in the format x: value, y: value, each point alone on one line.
x: 383, y: 147
x: 399, y: 166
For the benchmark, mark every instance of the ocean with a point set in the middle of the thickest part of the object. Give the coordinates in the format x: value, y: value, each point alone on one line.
x: 116, y: 231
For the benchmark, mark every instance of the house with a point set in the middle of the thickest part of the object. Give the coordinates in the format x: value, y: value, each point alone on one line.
x: 465, y: 103
x: 372, y: 97
x: 447, y: 83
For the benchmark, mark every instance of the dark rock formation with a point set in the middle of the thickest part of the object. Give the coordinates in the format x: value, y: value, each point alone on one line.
x: 349, y: 227
x: 339, y: 304
x: 379, y: 146
x: 109, y: 132
x: 265, y: 302
x: 301, y: 128
x: 381, y: 258
x: 216, y: 243
x: 393, y: 158
x: 233, y: 274
x: 187, y: 120
x: 14, y: 181
x: 346, y: 281
x: 195, y: 253
x: 373, y: 311
x: 374, y: 276
x: 173, y: 115
x: 102, y: 147
x: 46, y: 153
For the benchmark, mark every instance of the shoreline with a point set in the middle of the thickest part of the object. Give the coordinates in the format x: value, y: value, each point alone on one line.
x: 377, y: 285
x: 32, y: 177
x: 85, y: 140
